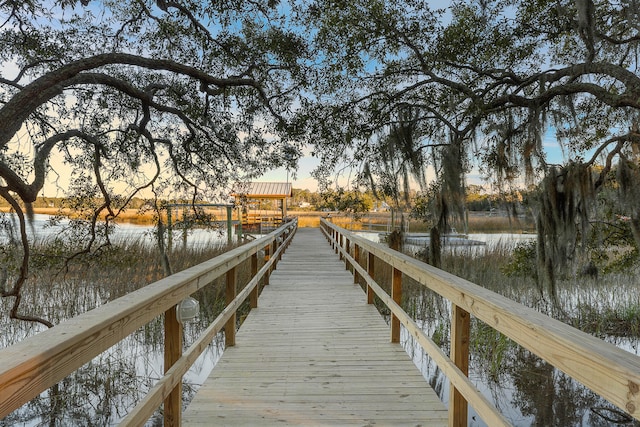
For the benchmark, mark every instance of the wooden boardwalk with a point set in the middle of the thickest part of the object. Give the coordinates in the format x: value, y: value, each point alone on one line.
x: 314, y: 353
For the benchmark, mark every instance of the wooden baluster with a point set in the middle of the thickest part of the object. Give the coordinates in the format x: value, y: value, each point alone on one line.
x: 253, y: 297
x: 356, y: 256
x: 370, y: 270
x: 267, y: 256
x: 230, y: 294
x: 275, y: 245
x: 172, y: 352
x: 347, y: 248
x: 396, y: 294
x: 460, y: 327
x: 340, y: 243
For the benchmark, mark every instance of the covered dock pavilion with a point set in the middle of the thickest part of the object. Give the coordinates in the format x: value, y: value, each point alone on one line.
x: 263, y: 204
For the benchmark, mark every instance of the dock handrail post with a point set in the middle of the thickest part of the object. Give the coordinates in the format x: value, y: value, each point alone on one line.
x: 340, y: 245
x: 356, y: 256
x: 267, y: 256
x: 229, y: 223
x: 347, y: 248
x: 370, y: 269
x: 253, y: 297
x: 460, y: 330
x: 396, y: 294
x: 275, y: 249
x: 230, y: 295
x: 172, y: 352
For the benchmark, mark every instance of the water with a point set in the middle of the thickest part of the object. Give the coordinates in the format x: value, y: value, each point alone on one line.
x: 528, y: 391
x: 43, y: 228
x: 104, y: 390
x: 488, y: 241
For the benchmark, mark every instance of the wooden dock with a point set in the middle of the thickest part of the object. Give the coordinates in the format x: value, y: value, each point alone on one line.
x: 314, y: 353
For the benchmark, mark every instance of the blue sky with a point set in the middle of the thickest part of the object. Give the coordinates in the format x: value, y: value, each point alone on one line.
x: 307, y: 164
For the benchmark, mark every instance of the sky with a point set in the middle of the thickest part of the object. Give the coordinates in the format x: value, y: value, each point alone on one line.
x: 302, y: 178
x: 307, y: 164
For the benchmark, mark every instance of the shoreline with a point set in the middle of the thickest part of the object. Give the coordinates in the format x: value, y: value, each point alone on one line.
x: 478, y: 222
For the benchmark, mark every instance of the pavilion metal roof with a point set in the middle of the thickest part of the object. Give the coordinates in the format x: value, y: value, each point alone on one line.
x: 257, y: 190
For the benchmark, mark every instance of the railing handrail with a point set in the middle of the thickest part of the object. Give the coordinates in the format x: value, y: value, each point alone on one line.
x: 39, y: 362
x: 609, y: 371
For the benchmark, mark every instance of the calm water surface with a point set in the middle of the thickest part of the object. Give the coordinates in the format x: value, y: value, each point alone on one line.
x: 528, y: 391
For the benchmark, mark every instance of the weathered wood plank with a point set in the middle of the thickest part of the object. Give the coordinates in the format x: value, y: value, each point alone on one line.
x: 314, y: 353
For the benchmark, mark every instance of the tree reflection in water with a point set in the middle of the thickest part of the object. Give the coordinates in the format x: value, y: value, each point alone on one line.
x: 102, y: 391
x: 525, y: 388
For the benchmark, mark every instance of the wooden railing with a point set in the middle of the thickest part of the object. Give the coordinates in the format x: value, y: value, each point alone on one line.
x: 38, y: 363
x: 609, y: 371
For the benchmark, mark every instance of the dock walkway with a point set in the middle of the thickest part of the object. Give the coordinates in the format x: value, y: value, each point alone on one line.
x: 314, y: 353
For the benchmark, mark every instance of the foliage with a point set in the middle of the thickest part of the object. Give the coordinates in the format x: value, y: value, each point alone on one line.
x: 522, y: 262
x: 350, y: 201
x: 159, y: 96
x: 485, y: 83
x: 110, y: 101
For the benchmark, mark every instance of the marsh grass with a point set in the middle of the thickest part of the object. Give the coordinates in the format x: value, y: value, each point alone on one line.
x: 102, y: 391
x: 523, y: 386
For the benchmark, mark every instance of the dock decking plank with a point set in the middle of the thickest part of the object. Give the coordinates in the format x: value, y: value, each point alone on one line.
x: 314, y: 353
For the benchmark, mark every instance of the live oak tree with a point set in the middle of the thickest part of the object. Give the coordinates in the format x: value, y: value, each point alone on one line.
x: 486, y: 82
x: 109, y: 99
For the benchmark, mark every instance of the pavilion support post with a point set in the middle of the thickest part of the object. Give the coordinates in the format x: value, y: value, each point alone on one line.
x: 230, y: 295
x: 253, y: 297
x: 396, y: 294
x: 460, y: 331
x: 370, y: 270
x: 172, y: 352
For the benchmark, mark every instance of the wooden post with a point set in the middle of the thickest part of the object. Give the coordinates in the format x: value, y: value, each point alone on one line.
x: 356, y: 256
x: 460, y: 327
x: 347, y: 247
x: 340, y: 242
x: 370, y: 270
x: 230, y: 294
x: 396, y: 294
x: 253, y: 297
x: 172, y: 352
x: 229, y: 223
x: 267, y: 256
x: 275, y: 248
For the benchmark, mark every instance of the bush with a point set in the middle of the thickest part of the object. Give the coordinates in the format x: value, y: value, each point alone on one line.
x: 523, y: 262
